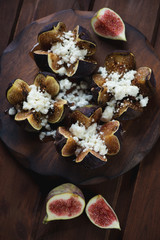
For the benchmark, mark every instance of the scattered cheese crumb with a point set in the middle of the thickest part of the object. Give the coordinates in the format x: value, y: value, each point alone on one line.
x: 88, y: 138
x: 78, y: 96
x: 12, y: 111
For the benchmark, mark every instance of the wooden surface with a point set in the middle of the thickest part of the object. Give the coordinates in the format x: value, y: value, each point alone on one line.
x: 134, y: 196
x: 139, y: 136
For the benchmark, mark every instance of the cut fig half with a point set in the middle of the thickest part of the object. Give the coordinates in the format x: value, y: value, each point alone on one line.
x: 108, y: 24
x: 64, y: 202
x: 101, y: 214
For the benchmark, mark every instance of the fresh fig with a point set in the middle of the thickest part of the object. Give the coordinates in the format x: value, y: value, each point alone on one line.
x: 101, y: 214
x: 108, y: 24
x: 64, y: 202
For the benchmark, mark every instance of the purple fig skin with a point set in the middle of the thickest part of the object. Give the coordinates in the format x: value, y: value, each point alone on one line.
x: 59, y: 192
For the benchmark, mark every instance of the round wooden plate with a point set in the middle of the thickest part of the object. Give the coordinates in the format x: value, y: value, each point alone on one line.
x: 139, y: 136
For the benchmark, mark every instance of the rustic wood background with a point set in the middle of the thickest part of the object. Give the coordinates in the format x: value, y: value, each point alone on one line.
x: 135, y: 196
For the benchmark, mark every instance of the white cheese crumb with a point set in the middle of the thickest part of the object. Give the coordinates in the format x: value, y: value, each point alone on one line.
x: 12, y: 111
x: 38, y: 100
x: 88, y: 138
x: 78, y: 96
x: 68, y: 51
x: 42, y: 135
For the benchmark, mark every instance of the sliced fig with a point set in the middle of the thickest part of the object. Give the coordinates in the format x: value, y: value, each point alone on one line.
x: 108, y: 24
x: 64, y: 202
x: 101, y: 214
x: 77, y: 61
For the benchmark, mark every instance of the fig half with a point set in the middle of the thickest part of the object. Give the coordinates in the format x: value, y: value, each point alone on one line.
x: 108, y: 24
x: 101, y: 214
x: 64, y: 202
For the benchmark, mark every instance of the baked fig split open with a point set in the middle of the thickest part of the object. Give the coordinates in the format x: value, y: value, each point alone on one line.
x: 65, y: 52
x: 101, y: 214
x: 122, y: 90
x: 64, y: 202
x: 87, y: 140
x: 36, y: 103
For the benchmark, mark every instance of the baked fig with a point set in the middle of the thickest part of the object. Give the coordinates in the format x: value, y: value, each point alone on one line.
x: 120, y: 89
x: 36, y: 103
x: 65, y: 52
x: 90, y: 144
x: 64, y: 202
x: 101, y: 214
x: 108, y: 24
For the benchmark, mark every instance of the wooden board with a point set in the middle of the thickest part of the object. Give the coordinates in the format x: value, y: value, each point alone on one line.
x: 140, y: 134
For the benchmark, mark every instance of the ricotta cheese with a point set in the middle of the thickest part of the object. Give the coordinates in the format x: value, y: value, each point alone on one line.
x: 88, y: 138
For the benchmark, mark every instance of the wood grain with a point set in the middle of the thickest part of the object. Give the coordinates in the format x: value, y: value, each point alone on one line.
x: 145, y: 202
x: 47, y: 161
x: 16, y: 210
x: 7, y: 20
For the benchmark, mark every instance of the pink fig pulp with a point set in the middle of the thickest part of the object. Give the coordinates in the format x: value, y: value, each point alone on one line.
x: 101, y: 214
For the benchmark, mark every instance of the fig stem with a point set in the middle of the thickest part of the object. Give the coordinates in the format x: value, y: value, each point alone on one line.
x: 45, y: 220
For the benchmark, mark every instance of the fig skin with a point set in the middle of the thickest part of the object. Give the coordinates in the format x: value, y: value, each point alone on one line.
x: 99, y: 206
x: 64, y: 192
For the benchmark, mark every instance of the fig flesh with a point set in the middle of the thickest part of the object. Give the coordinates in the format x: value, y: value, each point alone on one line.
x: 108, y: 24
x: 101, y: 214
x: 64, y: 202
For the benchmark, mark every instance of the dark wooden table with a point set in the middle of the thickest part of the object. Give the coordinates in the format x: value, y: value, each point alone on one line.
x: 134, y: 196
